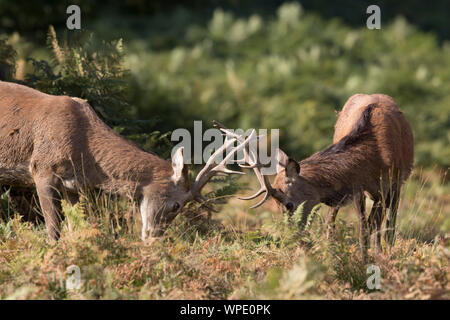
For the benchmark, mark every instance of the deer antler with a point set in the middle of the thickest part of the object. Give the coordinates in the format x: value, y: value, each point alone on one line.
x: 251, y: 158
x: 211, y: 168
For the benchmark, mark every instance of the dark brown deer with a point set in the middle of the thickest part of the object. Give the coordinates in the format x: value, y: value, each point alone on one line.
x: 57, y: 144
x: 371, y: 154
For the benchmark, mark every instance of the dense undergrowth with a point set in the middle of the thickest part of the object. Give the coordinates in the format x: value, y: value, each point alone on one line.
x: 238, y: 253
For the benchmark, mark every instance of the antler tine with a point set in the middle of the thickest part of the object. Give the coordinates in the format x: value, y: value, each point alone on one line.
x: 260, y: 203
x: 217, y: 124
x: 221, y: 167
x: 252, y: 159
x: 257, y: 194
x: 263, y: 180
x: 206, y: 173
x: 210, y: 169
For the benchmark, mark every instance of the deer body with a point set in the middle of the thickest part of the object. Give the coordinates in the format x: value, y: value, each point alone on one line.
x: 62, y: 136
x: 372, y: 154
x: 57, y: 144
x: 372, y: 138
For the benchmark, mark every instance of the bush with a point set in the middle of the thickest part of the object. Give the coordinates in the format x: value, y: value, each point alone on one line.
x: 291, y: 72
x: 92, y: 70
x: 7, y: 60
x: 288, y: 71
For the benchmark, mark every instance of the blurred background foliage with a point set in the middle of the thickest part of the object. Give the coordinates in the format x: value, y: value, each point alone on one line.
x: 149, y: 67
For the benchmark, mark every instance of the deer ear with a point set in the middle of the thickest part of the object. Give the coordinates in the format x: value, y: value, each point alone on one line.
x: 179, y: 169
x: 285, y: 163
x: 282, y: 160
x: 292, y: 168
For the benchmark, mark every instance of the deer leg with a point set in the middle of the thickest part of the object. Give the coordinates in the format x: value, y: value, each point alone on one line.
x: 392, y: 207
x: 360, y: 204
x: 375, y: 220
x: 330, y: 222
x: 50, y: 205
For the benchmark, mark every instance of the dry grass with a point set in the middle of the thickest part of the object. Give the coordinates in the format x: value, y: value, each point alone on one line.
x: 240, y: 253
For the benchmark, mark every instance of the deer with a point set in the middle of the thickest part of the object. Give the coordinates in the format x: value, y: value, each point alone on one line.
x: 371, y: 156
x: 58, y: 145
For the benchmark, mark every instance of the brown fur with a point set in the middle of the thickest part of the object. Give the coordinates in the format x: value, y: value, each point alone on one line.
x: 372, y: 154
x: 58, y: 143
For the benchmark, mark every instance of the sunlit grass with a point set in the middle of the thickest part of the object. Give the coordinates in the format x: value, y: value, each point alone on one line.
x: 239, y: 253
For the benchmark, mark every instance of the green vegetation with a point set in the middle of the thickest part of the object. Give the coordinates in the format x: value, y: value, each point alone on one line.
x: 240, y: 253
x: 287, y: 71
x: 290, y: 70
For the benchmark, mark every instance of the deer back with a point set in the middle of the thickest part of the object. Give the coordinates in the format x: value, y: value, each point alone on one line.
x: 389, y: 128
x: 63, y: 135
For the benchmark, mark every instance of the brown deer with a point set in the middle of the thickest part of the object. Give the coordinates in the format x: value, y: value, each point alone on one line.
x: 371, y: 154
x: 57, y: 144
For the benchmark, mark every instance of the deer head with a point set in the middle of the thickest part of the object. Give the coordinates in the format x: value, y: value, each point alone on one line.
x: 289, y: 190
x: 161, y: 202
x: 294, y: 188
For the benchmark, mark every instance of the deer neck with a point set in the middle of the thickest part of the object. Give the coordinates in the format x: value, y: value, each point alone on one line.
x: 123, y: 167
x: 339, y: 170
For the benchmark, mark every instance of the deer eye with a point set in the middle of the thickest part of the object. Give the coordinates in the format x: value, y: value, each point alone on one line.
x: 290, y: 206
x: 176, y: 206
